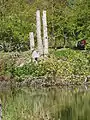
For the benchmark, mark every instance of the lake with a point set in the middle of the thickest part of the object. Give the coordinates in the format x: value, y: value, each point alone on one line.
x: 69, y: 103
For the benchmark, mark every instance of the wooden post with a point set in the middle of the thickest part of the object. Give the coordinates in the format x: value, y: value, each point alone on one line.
x: 45, y: 35
x: 39, y: 40
x: 0, y: 110
x: 31, y: 38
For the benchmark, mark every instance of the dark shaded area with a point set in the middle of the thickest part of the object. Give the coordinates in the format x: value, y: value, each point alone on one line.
x: 80, y: 45
x: 66, y: 113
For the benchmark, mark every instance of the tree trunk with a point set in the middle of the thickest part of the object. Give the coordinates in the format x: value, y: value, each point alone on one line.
x: 39, y: 40
x: 31, y: 38
x: 45, y: 35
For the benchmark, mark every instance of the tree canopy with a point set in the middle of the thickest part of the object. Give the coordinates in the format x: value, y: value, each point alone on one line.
x: 68, y: 21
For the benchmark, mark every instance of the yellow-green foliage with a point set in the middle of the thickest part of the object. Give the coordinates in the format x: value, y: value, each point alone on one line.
x: 67, y: 21
x: 60, y: 64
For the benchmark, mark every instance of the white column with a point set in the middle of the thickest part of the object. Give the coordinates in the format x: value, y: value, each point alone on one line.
x: 31, y: 38
x: 39, y: 40
x: 45, y: 35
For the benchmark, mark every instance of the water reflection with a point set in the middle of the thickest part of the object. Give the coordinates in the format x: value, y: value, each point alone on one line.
x: 46, y: 104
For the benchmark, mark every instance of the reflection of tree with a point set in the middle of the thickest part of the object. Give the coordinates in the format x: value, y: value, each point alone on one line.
x: 66, y: 113
x: 69, y: 105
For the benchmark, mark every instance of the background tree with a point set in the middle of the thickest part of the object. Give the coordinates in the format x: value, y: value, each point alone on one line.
x: 68, y: 21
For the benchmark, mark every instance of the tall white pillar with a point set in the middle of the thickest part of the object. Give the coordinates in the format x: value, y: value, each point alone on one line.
x: 31, y: 38
x: 45, y: 35
x: 39, y: 40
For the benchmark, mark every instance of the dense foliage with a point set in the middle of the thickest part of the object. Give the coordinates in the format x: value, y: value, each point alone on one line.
x: 61, y: 65
x: 68, y: 21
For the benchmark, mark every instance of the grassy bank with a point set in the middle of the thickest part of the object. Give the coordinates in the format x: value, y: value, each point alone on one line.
x: 63, y: 64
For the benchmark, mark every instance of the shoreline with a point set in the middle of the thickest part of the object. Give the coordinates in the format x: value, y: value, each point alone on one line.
x: 40, y: 82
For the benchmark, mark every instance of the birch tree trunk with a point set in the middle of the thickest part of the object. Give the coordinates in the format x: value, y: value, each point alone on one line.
x: 39, y: 40
x: 31, y: 38
x: 45, y: 35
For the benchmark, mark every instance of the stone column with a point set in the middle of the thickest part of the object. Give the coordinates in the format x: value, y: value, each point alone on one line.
x: 45, y: 35
x: 39, y: 40
x: 31, y: 38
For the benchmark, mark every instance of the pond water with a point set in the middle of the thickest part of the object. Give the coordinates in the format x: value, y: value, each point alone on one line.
x: 46, y: 104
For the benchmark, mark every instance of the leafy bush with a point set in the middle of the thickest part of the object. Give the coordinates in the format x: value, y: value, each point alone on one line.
x: 60, y: 64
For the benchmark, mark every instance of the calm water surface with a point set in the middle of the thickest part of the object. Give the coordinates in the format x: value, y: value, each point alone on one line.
x: 46, y: 104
